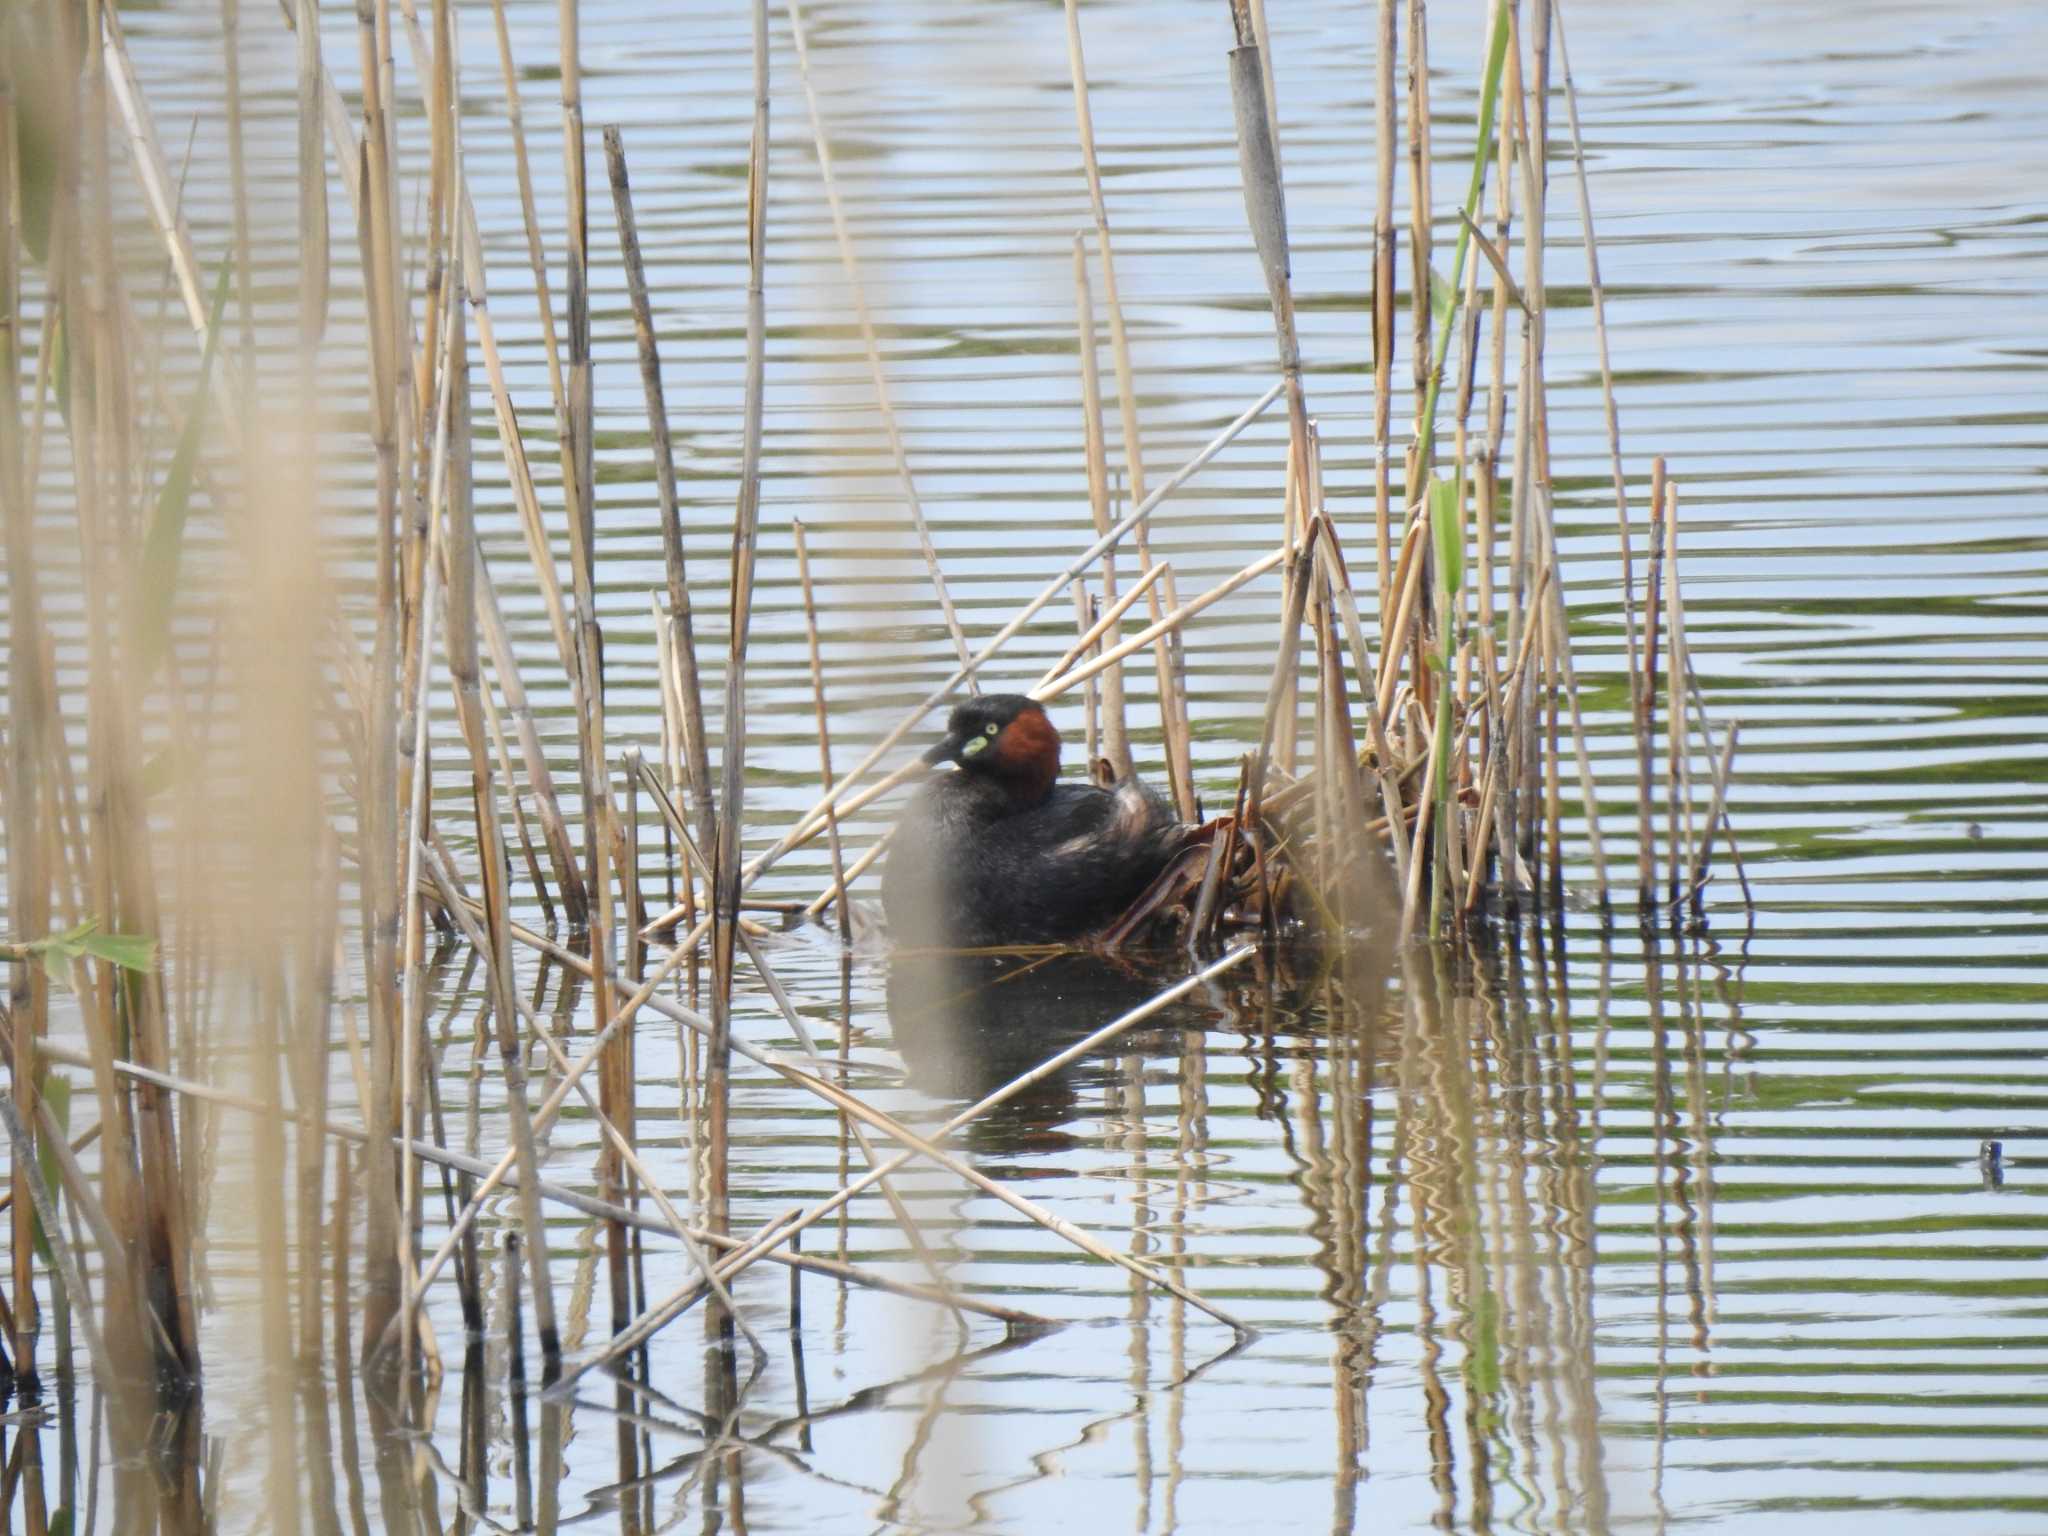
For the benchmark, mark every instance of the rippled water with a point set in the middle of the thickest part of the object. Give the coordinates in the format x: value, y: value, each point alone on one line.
x: 1598, y: 1239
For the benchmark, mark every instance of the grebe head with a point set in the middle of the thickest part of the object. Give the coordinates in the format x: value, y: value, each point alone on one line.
x: 1006, y: 737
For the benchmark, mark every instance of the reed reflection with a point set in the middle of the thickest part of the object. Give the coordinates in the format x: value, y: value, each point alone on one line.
x: 1440, y: 1131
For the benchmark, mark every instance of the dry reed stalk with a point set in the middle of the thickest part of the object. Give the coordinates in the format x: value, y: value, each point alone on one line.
x: 499, y: 750
x: 1703, y: 859
x: 1337, y: 737
x: 316, y: 980
x: 434, y: 243
x: 1152, y: 632
x: 310, y: 1056
x: 416, y: 816
x: 1102, y: 624
x: 1727, y: 825
x: 850, y: 262
x: 763, y: 1244
x: 1646, y: 710
x: 1258, y: 161
x: 518, y: 469
x: 854, y: 871
x: 1086, y: 610
x: 729, y: 880
x: 1173, y: 717
x: 554, y: 829
x: 1499, y: 767
x: 578, y: 448
x: 1559, y: 622
x: 103, y: 439
x: 1384, y: 149
x: 536, y: 258
x: 626, y: 858
x: 38, y: 1200
x: 1682, y: 833
x: 692, y: 857
x: 28, y: 735
x: 678, y: 616
x: 1417, y: 82
x: 803, y: 569
x: 671, y: 726
x: 1524, y: 746
x: 238, y: 175
x: 1338, y: 578
x: 1409, y: 572
x: 465, y: 568
x: 377, y: 853
x: 1532, y: 120
x: 160, y: 194
x: 615, y: 1065
x: 1599, y: 306
x: 1116, y: 728
x: 1279, y: 692
x: 842, y: 798
x: 1265, y: 204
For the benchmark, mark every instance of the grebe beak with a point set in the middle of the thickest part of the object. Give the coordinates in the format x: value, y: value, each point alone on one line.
x: 941, y: 752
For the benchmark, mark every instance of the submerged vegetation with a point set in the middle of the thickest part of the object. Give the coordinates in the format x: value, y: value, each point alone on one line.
x: 239, y: 899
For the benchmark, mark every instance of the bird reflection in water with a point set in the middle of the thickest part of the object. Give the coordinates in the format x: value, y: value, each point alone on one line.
x: 968, y: 1021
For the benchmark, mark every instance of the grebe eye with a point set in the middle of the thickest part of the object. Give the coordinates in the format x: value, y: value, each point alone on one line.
x: 991, y: 729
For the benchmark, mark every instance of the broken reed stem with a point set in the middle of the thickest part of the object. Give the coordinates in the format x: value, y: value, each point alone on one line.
x: 803, y: 569
x: 848, y: 260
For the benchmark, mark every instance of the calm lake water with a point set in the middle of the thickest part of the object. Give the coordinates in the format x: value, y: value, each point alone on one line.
x: 1604, y: 1239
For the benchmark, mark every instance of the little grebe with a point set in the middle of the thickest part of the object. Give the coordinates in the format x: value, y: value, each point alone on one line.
x: 997, y: 852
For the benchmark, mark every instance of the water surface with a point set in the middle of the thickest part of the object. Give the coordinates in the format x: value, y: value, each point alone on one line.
x: 1594, y: 1237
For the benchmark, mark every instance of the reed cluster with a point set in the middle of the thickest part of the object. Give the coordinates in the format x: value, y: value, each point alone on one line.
x: 1419, y: 784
